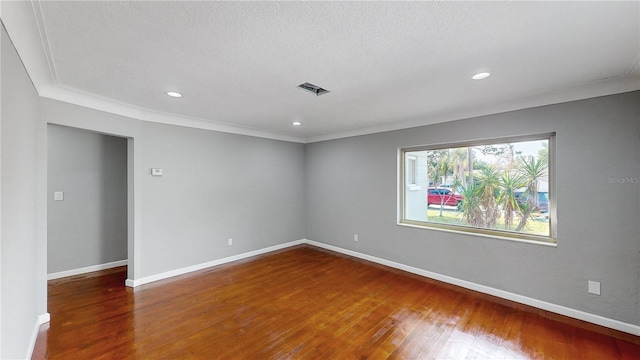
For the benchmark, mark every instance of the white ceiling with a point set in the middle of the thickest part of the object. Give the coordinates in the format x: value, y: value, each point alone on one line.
x: 387, y: 64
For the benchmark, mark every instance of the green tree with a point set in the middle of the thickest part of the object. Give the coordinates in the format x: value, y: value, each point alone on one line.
x: 471, y: 212
x: 460, y: 164
x: 488, y: 190
x: 544, y: 152
x: 532, y: 170
x: 509, y: 185
x: 438, y: 166
x: 439, y: 162
x: 504, y: 153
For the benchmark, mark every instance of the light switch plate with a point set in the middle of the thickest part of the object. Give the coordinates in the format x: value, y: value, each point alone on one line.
x: 156, y: 172
x: 58, y: 196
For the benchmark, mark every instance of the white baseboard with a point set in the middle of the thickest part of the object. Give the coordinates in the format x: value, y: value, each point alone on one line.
x: 42, y: 319
x: 87, y: 269
x: 188, y: 269
x: 558, y: 309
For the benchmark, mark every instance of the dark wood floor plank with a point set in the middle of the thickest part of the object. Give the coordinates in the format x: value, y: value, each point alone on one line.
x: 306, y: 303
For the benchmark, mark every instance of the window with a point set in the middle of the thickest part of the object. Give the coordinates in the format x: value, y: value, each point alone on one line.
x: 500, y: 187
x: 411, y: 170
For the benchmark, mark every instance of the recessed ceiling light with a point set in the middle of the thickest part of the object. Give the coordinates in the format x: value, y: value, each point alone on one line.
x: 174, y: 94
x: 480, y: 76
x: 296, y: 123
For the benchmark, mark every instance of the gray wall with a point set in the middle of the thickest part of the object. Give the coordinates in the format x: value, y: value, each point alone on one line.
x: 352, y: 188
x: 22, y: 260
x: 89, y: 227
x: 215, y: 186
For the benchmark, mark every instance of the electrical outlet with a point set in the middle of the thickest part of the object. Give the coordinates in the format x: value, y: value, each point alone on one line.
x: 355, y: 237
x: 230, y: 241
x: 594, y: 287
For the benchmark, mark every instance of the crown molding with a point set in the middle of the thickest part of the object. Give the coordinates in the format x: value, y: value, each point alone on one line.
x: 589, y: 90
x: 20, y: 22
x: 95, y: 102
x: 21, y: 19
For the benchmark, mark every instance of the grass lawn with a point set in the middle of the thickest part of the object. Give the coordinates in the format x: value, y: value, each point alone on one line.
x: 454, y: 217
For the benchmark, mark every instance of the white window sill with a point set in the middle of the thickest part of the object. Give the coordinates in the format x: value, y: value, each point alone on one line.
x: 552, y: 242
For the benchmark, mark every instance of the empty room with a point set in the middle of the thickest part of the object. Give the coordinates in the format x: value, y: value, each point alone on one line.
x: 319, y: 180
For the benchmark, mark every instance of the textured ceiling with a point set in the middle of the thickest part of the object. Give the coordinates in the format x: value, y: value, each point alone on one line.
x: 384, y: 62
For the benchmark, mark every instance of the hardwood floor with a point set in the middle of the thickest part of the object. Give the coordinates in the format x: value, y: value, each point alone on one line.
x: 306, y: 303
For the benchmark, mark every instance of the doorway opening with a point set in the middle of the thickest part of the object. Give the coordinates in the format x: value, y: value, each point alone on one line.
x: 88, y: 206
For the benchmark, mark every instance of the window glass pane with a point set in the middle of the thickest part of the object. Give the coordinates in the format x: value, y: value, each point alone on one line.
x: 411, y: 170
x: 500, y: 188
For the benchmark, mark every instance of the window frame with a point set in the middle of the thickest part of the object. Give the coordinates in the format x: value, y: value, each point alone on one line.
x: 550, y: 240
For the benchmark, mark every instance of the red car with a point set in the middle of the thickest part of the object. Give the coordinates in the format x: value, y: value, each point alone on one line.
x: 446, y: 196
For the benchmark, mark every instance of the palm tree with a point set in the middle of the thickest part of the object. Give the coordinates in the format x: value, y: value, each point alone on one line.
x: 532, y: 170
x: 460, y: 164
x: 470, y: 166
x: 509, y: 185
x: 440, y: 168
x: 488, y: 189
x: 457, y: 183
x: 471, y: 211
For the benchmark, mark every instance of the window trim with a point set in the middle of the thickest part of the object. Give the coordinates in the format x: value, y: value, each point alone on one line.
x: 550, y: 240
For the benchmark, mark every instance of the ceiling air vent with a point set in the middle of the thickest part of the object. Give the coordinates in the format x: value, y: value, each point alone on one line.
x: 317, y: 90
